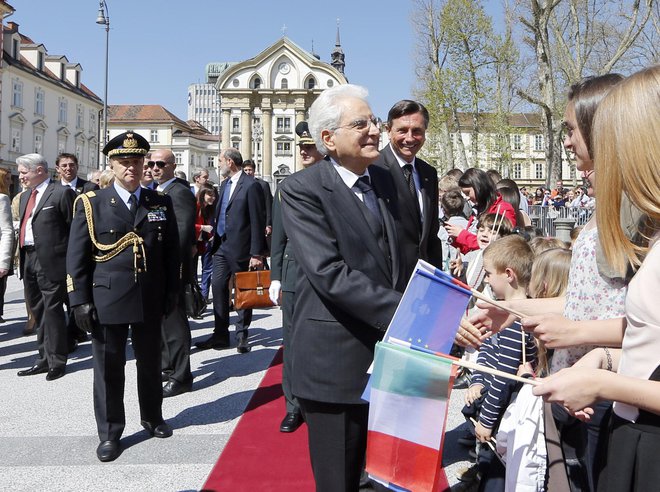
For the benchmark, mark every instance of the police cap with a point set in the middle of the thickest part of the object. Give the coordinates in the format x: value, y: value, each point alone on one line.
x: 304, y: 137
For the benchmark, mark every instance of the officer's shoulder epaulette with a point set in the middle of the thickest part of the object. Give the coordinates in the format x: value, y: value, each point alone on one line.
x: 91, y: 194
x: 160, y: 193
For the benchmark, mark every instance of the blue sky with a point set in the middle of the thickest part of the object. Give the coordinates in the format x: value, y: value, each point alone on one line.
x: 158, y: 48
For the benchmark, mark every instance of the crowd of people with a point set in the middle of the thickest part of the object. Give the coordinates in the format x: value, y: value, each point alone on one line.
x: 117, y: 256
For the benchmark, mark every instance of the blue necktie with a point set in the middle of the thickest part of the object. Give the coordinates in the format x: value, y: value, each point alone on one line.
x: 223, y: 209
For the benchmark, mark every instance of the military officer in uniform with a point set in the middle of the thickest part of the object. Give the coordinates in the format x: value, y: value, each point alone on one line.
x: 122, y: 272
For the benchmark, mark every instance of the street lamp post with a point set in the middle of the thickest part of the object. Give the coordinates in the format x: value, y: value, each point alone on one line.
x: 104, y: 19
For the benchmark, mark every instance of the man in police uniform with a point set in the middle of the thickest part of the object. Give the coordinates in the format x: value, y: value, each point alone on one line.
x: 123, y: 271
x: 283, y: 276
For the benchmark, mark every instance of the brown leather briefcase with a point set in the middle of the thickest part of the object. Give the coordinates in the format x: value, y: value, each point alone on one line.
x: 251, y: 289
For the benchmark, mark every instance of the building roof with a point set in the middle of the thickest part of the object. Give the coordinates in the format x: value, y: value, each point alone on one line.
x: 152, y: 113
x: 23, y: 64
x: 489, y: 120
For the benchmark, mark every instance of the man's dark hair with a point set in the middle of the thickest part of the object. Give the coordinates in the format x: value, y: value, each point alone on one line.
x: 249, y: 163
x: 66, y: 155
x: 235, y: 156
x: 406, y: 107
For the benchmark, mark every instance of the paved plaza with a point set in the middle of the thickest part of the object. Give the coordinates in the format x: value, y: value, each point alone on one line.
x: 48, y: 434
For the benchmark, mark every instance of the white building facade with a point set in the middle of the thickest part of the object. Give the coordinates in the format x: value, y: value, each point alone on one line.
x: 263, y: 98
x: 193, y: 146
x: 45, y: 108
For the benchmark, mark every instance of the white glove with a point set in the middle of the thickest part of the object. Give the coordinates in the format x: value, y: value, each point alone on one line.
x: 274, y: 291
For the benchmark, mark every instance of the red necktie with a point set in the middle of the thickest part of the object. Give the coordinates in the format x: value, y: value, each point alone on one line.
x: 28, y: 212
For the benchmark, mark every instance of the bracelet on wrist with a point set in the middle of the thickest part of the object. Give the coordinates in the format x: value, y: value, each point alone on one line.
x: 609, y: 358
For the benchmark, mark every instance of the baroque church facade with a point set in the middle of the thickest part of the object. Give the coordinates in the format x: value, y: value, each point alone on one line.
x: 263, y: 99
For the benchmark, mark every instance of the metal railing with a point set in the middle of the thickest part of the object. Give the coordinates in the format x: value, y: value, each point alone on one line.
x: 544, y: 217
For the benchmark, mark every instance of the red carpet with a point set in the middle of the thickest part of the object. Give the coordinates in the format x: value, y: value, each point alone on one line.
x: 258, y: 456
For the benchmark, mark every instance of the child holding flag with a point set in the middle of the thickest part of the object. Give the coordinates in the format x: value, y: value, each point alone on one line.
x: 507, y: 266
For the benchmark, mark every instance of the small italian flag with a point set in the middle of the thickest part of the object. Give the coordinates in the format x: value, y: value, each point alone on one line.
x: 407, y: 416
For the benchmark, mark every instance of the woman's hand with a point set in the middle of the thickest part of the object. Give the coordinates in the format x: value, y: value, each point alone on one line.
x: 576, y: 388
x: 554, y: 330
x: 491, y: 318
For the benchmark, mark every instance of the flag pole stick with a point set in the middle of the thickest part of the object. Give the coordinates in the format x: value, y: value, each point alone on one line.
x: 478, y: 367
x: 465, y: 363
x: 495, y: 303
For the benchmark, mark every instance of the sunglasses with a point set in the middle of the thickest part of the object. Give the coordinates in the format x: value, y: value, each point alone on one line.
x: 160, y: 164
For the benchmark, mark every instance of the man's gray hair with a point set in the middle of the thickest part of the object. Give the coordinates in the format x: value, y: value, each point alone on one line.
x: 198, y: 172
x: 234, y: 155
x: 32, y: 161
x: 326, y: 112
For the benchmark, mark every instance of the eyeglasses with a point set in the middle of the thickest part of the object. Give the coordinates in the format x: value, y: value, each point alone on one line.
x: 160, y: 164
x: 364, y: 124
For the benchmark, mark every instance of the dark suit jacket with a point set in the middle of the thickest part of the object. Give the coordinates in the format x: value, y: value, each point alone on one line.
x: 268, y: 200
x: 282, y: 259
x: 185, y: 212
x: 111, y: 285
x: 348, y: 288
x: 51, y: 221
x: 416, y: 242
x: 83, y: 186
x: 244, y: 221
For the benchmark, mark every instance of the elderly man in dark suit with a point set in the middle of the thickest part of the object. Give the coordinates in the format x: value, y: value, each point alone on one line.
x: 176, y: 329
x: 45, y: 212
x: 339, y: 215
x: 66, y: 166
x: 123, y: 272
x: 238, y: 245
x: 416, y: 184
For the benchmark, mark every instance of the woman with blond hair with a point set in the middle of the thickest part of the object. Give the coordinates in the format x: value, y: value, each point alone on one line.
x: 6, y: 237
x: 627, y: 155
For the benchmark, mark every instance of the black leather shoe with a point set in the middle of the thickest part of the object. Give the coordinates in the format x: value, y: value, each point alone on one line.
x: 243, y: 347
x: 174, y: 388
x: 161, y: 430
x: 108, y: 450
x: 55, y: 373
x: 291, y: 422
x: 164, y: 377
x: 33, y: 370
x: 213, y: 342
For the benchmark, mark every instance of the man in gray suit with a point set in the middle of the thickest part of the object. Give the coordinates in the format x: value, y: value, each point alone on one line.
x: 45, y: 211
x: 339, y: 216
x: 416, y: 184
